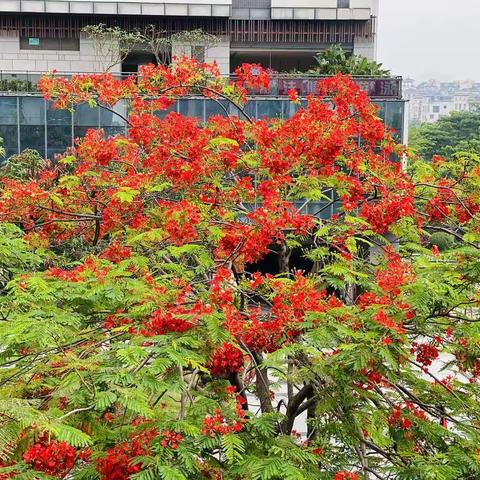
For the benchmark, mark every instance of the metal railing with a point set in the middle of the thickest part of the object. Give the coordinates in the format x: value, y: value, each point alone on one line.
x: 280, y: 85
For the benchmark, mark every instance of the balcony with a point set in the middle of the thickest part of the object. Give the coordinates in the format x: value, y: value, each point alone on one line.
x: 376, y: 87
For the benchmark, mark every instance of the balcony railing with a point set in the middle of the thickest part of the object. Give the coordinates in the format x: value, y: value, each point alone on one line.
x: 376, y: 87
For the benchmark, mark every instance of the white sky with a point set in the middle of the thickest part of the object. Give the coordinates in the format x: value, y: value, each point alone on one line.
x: 425, y: 39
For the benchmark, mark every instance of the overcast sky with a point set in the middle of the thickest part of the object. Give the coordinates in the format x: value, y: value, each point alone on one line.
x: 426, y: 39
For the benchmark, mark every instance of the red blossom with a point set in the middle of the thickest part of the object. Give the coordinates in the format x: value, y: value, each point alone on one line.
x: 117, y: 464
x: 51, y: 457
x: 226, y: 359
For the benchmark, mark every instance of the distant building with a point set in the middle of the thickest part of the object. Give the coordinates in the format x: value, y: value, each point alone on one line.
x: 41, y: 35
x: 429, y: 101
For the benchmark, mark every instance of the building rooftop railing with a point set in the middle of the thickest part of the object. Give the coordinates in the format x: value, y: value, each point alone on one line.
x: 376, y: 87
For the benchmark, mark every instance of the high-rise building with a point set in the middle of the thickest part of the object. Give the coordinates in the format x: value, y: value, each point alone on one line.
x: 41, y: 35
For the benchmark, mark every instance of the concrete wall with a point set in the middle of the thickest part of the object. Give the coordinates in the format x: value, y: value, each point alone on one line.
x: 220, y: 8
x: 220, y: 53
x: 365, y: 47
x: 12, y: 58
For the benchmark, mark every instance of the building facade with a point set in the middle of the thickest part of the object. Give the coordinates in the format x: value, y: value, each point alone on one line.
x: 432, y: 100
x: 41, y: 35
x: 29, y: 121
x: 37, y: 36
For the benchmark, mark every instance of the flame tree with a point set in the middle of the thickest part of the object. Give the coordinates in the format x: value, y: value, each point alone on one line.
x: 174, y: 300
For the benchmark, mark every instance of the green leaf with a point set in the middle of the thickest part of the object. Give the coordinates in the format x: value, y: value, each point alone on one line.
x: 233, y: 447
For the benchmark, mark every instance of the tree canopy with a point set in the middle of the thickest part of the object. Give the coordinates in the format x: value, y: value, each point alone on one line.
x: 457, y: 132
x: 143, y: 339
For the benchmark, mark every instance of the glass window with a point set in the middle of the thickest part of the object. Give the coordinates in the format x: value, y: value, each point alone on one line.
x: 192, y: 107
x: 112, y: 131
x: 33, y: 136
x: 55, y: 116
x: 164, y: 113
x: 394, y: 118
x: 8, y: 110
x: 58, y: 139
x: 289, y: 109
x: 36, y: 43
x: 269, y: 108
x: 86, y: 116
x: 251, y: 108
x: 213, y: 107
x: 381, y: 110
x: 436, y: 109
x: 80, y: 132
x: 32, y: 111
x: 111, y: 119
x: 32, y: 124
x: 9, y: 134
x: 343, y: 3
x: 234, y: 111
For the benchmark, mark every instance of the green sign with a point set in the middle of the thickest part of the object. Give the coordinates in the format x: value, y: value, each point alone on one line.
x: 34, y: 41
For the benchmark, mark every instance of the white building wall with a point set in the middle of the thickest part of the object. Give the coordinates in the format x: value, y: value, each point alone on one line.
x: 365, y: 47
x: 12, y: 58
x: 219, y: 53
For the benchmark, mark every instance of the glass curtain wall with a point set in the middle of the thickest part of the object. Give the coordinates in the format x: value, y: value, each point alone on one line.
x: 32, y: 122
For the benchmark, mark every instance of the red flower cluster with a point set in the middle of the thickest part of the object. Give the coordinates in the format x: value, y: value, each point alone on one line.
x: 394, y: 275
x: 163, y: 321
x: 51, y: 457
x: 182, y: 219
x: 170, y: 439
x: 173, y: 316
x: 253, y: 76
x: 117, y: 465
x: 218, y: 424
x: 116, y: 252
x: 383, y: 319
x: 437, y: 209
x: 346, y: 476
x: 226, y: 359
x: 426, y: 353
x: 397, y: 420
x: 384, y: 213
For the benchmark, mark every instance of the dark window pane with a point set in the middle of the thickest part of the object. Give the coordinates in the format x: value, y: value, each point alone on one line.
x: 269, y: 108
x: 86, y: 116
x: 213, y: 107
x: 289, y: 109
x: 79, y: 132
x: 394, y: 118
x: 8, y: 110
x: 381, y: 110
x: 9, y: 135
x: 164, y: 113
x: 192, y: 107
x: 33, y: 136
x: 56, y: 116
x: 58, y: 139
x: 251, y: 109
x: 112, y: 131
x: 8, y: 153
x: 111, y: 119
x: 32, y: 111
x: 36, y: 43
